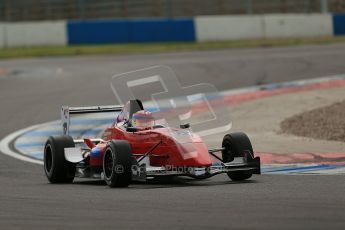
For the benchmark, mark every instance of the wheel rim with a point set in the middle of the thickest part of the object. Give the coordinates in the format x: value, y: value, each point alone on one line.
x: 48, y: 159
x: 108, y: 164
x: 227, y: 154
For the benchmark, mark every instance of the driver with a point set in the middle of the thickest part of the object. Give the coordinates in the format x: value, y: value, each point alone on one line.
x: 143, y: 120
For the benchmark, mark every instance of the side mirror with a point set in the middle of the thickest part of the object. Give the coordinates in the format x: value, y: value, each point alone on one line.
x: 185, y: 126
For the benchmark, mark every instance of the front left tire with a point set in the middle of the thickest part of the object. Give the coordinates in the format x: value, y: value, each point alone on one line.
x: 117, y: 164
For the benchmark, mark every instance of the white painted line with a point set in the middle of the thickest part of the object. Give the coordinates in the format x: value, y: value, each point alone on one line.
x: 335, y: 171
x: 4, y: 144
x: 49, y: 126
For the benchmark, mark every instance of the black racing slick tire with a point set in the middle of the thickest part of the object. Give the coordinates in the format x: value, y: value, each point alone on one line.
x: 236, y: 145
x: 56, y: 168
x: 117, y: 163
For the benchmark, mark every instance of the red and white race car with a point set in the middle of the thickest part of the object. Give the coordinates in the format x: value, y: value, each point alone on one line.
x: 136, y: 150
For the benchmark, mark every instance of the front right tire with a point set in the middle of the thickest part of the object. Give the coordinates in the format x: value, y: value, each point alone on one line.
x: 237, y: 145
x: 56, y: 168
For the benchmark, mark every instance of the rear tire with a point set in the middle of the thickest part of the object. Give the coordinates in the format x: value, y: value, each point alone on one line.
x: 117, y: 164
x: 236, y: 145
x: 56, y: 168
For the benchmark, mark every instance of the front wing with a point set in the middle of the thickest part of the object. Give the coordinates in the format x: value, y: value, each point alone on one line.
x: 142, y: 172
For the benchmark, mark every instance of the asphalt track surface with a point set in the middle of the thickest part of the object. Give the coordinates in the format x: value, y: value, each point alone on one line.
x: 34, y: 89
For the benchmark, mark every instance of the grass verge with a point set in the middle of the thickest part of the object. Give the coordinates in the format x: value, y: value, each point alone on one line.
x: 146, y: 48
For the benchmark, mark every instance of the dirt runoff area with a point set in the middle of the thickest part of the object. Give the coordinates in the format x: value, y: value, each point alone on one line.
x: 327, y: 123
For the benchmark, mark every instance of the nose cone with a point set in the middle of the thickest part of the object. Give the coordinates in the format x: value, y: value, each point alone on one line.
x: 185, y: 148
x: 194, y: 154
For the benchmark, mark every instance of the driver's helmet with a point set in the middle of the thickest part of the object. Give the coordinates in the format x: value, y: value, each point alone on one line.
x: 143, y: 120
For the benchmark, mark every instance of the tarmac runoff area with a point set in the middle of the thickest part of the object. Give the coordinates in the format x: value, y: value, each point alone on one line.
x: 258, y: 111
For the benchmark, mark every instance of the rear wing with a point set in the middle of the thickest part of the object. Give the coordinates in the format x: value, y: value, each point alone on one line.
x: 66, y: 111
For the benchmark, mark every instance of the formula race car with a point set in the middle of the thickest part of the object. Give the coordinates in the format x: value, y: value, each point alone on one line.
x: 136, y: 148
